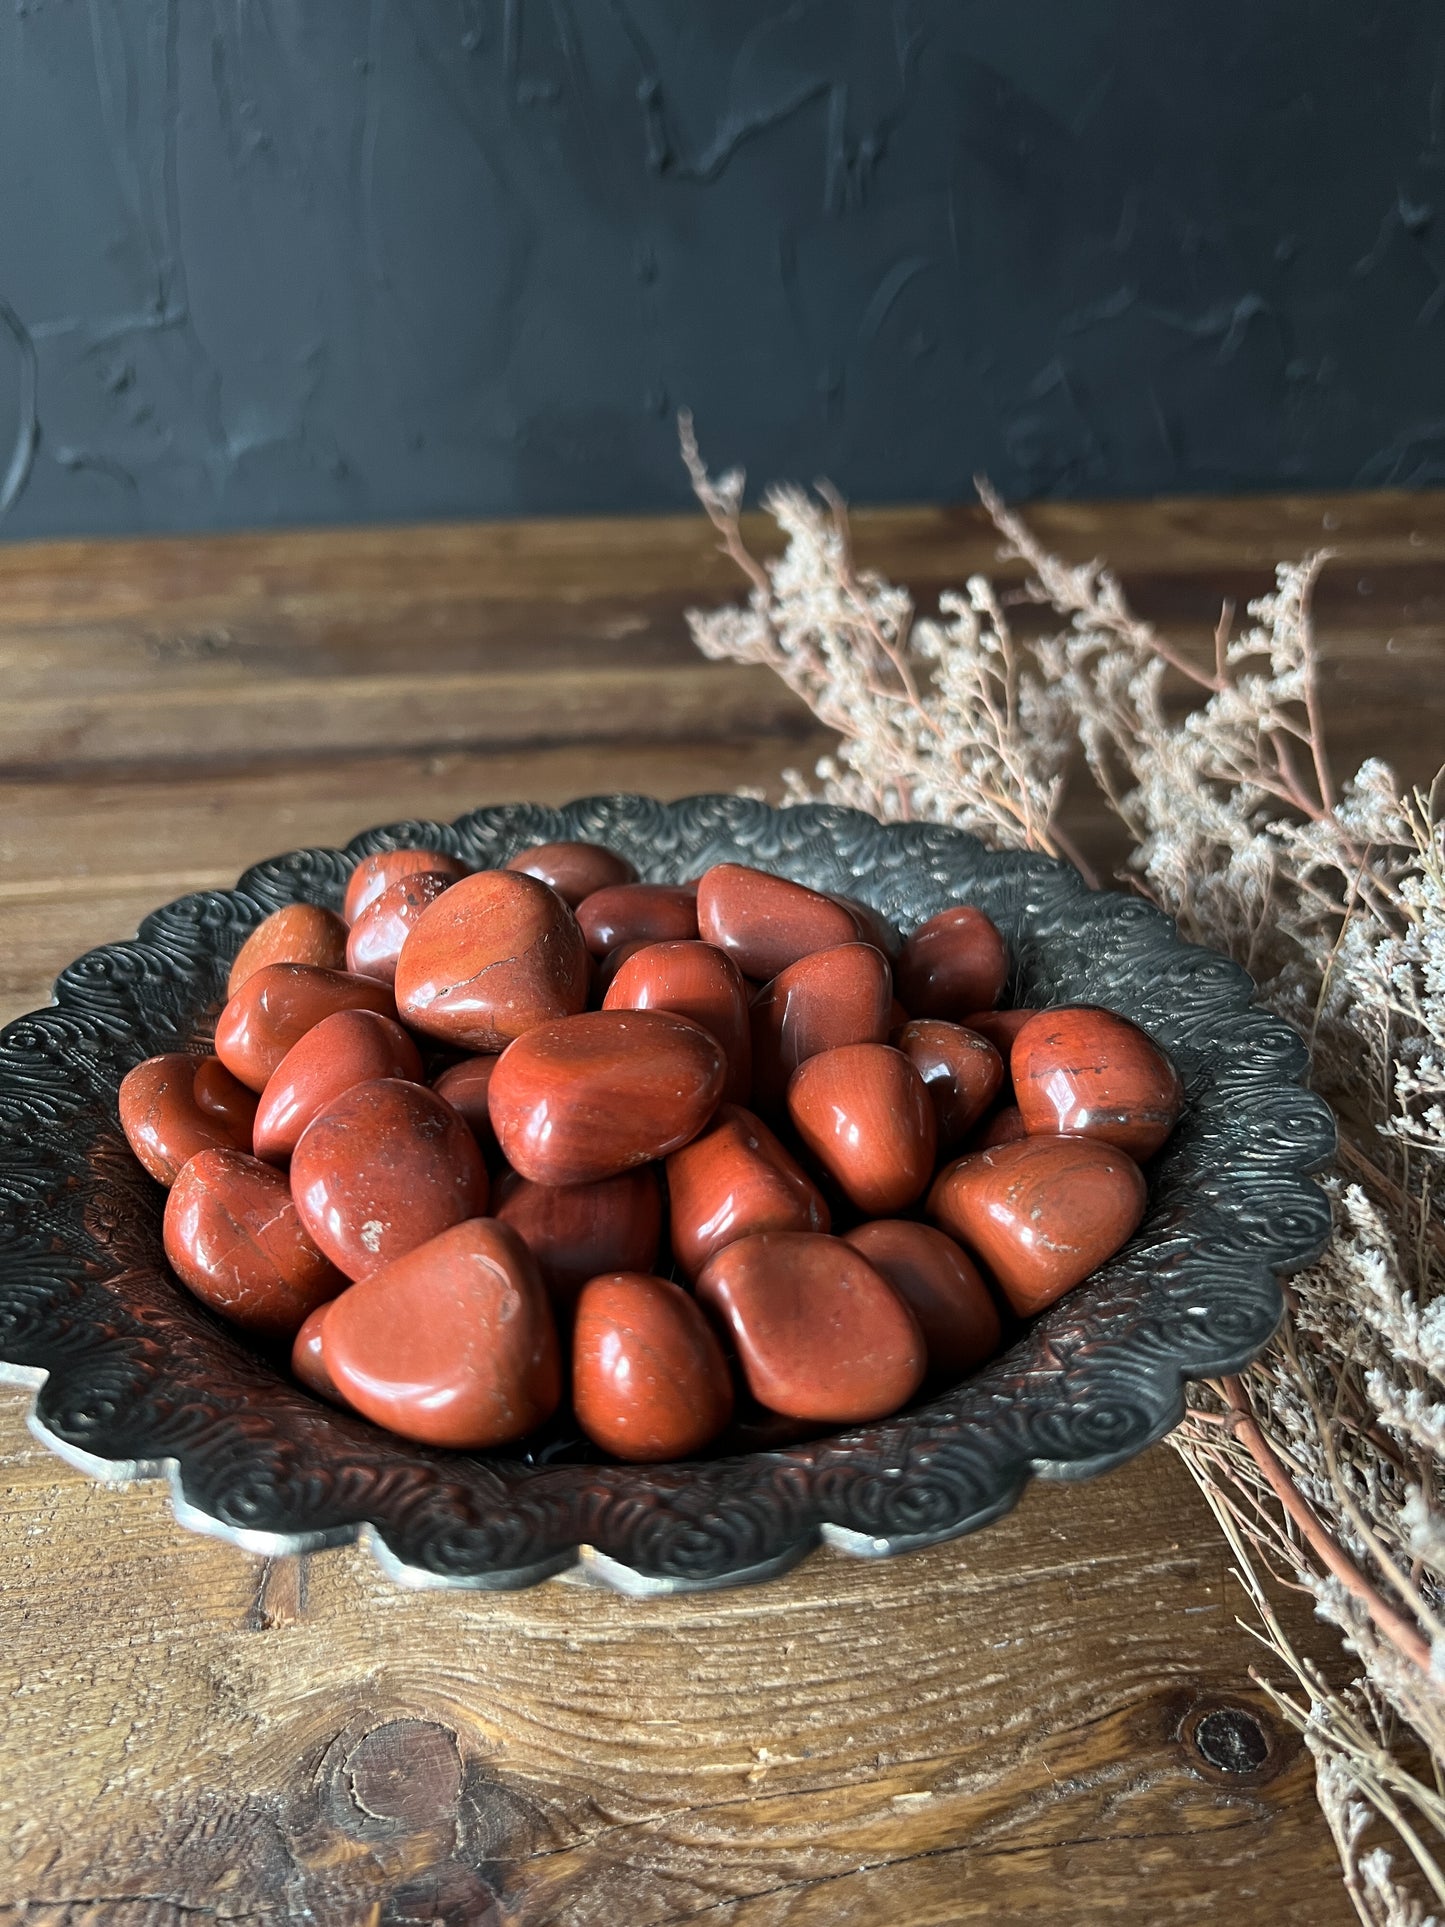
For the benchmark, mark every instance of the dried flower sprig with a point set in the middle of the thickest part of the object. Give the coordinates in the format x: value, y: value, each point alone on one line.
x: 1324, y: 1463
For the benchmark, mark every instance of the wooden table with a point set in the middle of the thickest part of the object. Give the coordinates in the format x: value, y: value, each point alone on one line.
x: 996, y: 1730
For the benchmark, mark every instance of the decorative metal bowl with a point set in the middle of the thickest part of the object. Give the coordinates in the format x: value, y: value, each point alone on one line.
x: 136, y: 1379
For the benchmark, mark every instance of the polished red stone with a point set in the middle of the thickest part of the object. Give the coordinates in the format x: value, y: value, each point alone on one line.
x: 274, y: 1009
x: 963, y: 1072
x: 736, y: 1179
x: 819, y: 1332
x: 452, y: 1344
x: 941, y: 1286
x: 307, y: 1362
x: 1006, y: 1126
x: 765, y: 923
x: 233, y: 1234
x: 465, y: 1087
x: 497, y: 954
x: 374, y: 943
x: 573, y: 870
x: 873, y: 926
x: 163, y: 1123
x: 830, y: 998
x: 954, y: 963
x: 386, y: 1166
x: 575, y: 1231
x: 1082, y: 1072
x: 691, y: 980
x: 593, y: 1095
x: 865, y: 1114
x: 1041, y: 1214
x: 300, y: 933
x: 1000, y: 1027
x: 649, y: 1380
x: 349, y: 1047
x: 376, y: 872
x: 225, y: 1098
x: 638, y: 912
x: 607, y: 967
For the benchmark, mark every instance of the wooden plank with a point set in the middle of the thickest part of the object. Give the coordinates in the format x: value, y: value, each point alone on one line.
x: 984, y: 1732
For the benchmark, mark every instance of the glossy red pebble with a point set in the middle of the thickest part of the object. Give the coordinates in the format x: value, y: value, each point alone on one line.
x: 225, y: 1098
x: 649, y: 1380
x: 1041, y: 1214
x: 377, y: 872
x: 1000, y: 1027
x: 307, y: 1362
x: 385, y: 1167
x: 234, y: 1236
x: 375, y: 939
x: 575, y: 1231
x: 163, y: 1123
x: 1082, y: 1072
x: 736, y: 1179
x: 274, y: 1009
x: 607, y: 967
x: 765, y: 923
x: 452, y: 1344
x: 865, y: 1114
x: 497, y: 954
x: 573, y: 870
x: 963, y: 1072
x: 638, y: 912
x: 1006, y: 1126
x: 691, y: 980
x: 349, y: 1047
x: 873, y: 926
x: 819, y: 1332
x: 941, y: 1286
x: 596, y: 1094
x: 465, y: 1087
x: 823, y: 1001
x: 300, y: 933
x: 954, y: 963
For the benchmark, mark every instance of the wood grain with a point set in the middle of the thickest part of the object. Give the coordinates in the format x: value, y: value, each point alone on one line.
x: 994, y: 1731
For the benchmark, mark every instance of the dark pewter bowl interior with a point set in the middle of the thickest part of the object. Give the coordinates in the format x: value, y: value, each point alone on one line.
x: 136, y: 1379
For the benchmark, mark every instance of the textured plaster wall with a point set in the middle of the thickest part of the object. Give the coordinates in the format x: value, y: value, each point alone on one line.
x: 316, y: 260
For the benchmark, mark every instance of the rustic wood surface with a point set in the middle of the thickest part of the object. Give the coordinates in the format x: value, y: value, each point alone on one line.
x: 1014, y: 1728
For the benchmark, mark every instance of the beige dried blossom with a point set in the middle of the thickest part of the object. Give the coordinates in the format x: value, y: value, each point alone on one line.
x: 1324, y: 1463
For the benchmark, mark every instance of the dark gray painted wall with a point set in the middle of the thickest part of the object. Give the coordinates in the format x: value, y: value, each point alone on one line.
x: 317, y: 260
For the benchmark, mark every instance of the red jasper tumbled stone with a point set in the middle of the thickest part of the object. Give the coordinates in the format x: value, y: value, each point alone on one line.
x: 963, y: 1072
x: 823, y: 1001
x: 300, y: 933
x: 307, y: 1361
x: 573, y: 870
x: 1082, y: 1072
x: 649, y: 1380
x: 452, y: 1344
x: 1006, y: 1126
x: 233, y: 1234
x: 819, y: 1332
x: 377, y: 872
x: 349, y: 1047
x: 864, y: 1112
x: 691, y: 980
x: 465, y: 1087
x: 765, y: 923
x: 638, y: 912
x: 954, y: 963
x: 386, y: 1166
x: 163, y: 1123
x: 1000, y: 1027
x: 736, y: 1179
x: 1041, y: 1214
x: 940, y: 1285
x: 498, y: 953
x: 226, y: 1098
x: 576, y: 1231
x: 276, y: 1007
x: 596, y: 1094
x: 873, y: 926
x: 375, y: 940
